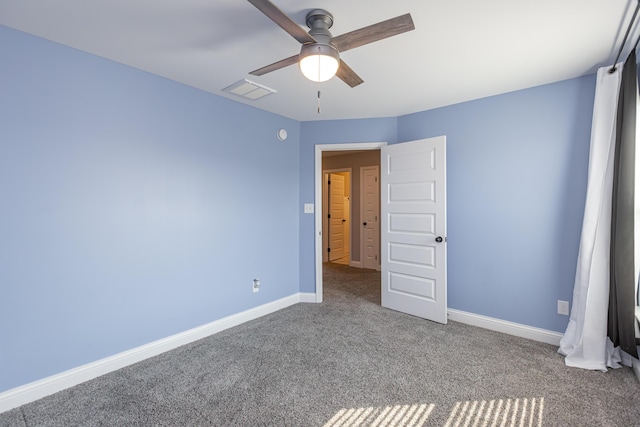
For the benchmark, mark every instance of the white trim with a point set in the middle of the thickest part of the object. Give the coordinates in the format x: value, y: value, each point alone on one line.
x: 511, y: 328
x: 38, y: 389
x: 319, y: 148
x: 307, y: 297
x: 355, y: 264
x: 636, y: 368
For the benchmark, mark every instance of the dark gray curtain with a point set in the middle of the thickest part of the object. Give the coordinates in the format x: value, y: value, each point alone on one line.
x: 621, y: 326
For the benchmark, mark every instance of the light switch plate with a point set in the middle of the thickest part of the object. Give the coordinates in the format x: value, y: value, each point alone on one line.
x: 308, y: 208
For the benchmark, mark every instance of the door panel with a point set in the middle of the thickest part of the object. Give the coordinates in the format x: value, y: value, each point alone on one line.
x: 416, y: 223
x: 412, y: 255
x: 412, y: 286
x: 414, y: 266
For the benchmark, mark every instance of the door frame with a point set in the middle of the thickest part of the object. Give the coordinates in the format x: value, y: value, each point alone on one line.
x: 318, y: 182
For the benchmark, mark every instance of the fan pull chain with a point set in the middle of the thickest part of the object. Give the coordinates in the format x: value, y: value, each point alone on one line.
x: 318, y: 79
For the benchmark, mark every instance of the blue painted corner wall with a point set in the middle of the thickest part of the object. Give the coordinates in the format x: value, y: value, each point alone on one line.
x: 133, y: 207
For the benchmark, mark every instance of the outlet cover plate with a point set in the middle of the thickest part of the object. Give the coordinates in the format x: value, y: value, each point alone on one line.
x: 563, y: 307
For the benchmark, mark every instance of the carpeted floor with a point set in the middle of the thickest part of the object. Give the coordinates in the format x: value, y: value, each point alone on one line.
x: 347, y: 362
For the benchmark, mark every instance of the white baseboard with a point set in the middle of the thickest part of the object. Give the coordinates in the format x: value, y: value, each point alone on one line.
x: 511, y: 328
x: 355, y: 264
x: 308, y: 297
x: 636, y: 368
x: 38, y: 389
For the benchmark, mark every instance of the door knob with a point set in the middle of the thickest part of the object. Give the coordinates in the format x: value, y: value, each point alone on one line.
x: 344, y: 220
x: 438, y: 239
x: 364, y: 223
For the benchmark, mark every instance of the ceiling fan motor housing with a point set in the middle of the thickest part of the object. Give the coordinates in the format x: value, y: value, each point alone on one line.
x: 319, y: 18
x: 319, y: 21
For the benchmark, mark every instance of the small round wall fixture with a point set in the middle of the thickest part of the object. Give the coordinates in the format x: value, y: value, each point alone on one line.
x: 282, y: 134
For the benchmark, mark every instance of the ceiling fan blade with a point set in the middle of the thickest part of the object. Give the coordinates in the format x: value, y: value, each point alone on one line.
x: 286, y: 23
x: 375, y: 32
x: 275, y: 66
x: 347, y: 75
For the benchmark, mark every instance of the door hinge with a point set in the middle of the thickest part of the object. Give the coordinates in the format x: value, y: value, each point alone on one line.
x: 376, y: 257
x: 328, y: 215
x: 375, y: 178
x: 328, y: 249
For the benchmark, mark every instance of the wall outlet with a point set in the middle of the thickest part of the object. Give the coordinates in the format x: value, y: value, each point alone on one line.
x: 563, y: 307
x: 256, y: 285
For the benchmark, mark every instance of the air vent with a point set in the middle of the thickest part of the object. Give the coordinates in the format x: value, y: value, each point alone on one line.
x: 249, y: 90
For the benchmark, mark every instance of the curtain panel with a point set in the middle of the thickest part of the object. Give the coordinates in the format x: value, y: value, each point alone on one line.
x: 602, y: 321
x: 623, y: 276
x: 585, y: 340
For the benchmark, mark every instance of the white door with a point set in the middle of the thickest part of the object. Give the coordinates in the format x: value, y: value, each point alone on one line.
x: 414, y: 248
x: 336, y: 216
x: 346, y: 225
x: 370, y: 194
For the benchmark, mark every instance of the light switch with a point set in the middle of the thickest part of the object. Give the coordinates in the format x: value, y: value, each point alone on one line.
x: 308, y: 208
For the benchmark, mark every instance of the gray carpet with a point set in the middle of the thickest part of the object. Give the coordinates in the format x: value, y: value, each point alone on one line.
x: 347, y: 362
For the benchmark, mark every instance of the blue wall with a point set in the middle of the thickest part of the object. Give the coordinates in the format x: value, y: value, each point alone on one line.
x: 132, y: 208
x: 516, y: 185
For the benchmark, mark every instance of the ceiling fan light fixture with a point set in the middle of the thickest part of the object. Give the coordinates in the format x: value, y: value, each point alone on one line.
x: 319, y: 62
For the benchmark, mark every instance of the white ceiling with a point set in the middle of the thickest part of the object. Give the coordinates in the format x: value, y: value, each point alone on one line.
x: 460, y: 50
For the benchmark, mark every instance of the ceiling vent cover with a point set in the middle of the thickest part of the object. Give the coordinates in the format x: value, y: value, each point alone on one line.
x: 249, y: 90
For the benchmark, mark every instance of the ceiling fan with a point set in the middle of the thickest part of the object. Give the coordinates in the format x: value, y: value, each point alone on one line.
x: 319, y: 57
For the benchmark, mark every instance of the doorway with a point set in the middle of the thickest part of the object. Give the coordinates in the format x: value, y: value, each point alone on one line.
x: 350, y: 209
x: 322, y: 207
x: 413, y: 213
